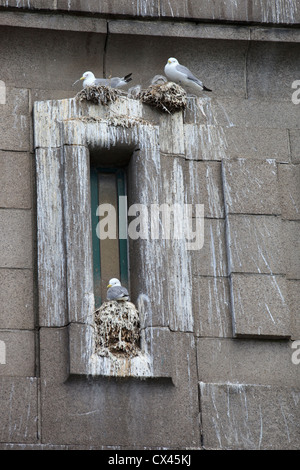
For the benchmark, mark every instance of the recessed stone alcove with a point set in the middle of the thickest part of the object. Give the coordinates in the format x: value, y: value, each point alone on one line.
x: 66, y: 134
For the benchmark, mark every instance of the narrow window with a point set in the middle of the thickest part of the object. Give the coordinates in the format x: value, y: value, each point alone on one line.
x: 110, y: 252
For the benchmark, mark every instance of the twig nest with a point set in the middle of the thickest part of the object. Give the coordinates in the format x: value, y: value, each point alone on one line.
x: 117, y: 326
x: 98, y: 94
x: 168, y: 97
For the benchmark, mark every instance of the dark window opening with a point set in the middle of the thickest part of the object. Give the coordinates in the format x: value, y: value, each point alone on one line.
x: 110, y: 255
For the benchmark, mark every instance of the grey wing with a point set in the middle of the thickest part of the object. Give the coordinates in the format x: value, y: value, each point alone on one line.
x: 100, y: 81
x: 116, y: 292
x: 188, y: 73
x: 114, y: 82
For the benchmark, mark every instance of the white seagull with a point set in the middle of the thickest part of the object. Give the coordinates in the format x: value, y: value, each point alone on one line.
x: 183, y: 76
x: 116, y: 291
x: 89, y: 79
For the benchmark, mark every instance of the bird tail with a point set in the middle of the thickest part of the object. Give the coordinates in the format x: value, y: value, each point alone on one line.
x: 127, y: 78
x: 206, y: 89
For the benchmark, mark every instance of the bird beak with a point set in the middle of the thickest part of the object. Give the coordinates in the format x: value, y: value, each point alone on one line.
x: 109, y: 285
x: 169, y: 61
x: 82, y: 78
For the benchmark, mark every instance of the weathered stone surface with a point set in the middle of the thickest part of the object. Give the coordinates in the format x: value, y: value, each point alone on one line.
x: 14, y: 119
x: 211, y: 307
x: 18, y: 409
x: 255, y: 244
x: 162, y: 180
x: 197, y: 110
x: 250, y: 187
x: 292, y: 243
x: 241, y: 416
x: 205, y: 142
x: 214, y: 142
x: 216, y: 364
x: 182, y: 29
x: 259, y: 306
x: 293, y: 289
x: 274, y: 12
x: 244, y: 10
x: 16, y: 299
x: 294, y: 136
x: 256, y: 143
x: 77, y: 233
x: 16, y: 238
x: 119, y: 7
x: 282, y: 34
x: 204, y: 10
x: 211, y: 260
x: 15, y: 180
x: 203, y: 185
x: 45, y: 95
x: 32, y: 4
x: 19, y: 352
x: 68, y: 56
x: 51, y: 248
x: 171, y: 134
x: 71, y: 407
x: 289, y: 184
x: 271, y: 70
x: 42, y: 20
x: 264, y: 114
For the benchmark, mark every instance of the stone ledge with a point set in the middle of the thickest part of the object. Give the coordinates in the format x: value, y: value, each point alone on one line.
x: 155, y: 343
x: 176, y: 28
x: 207, y: 10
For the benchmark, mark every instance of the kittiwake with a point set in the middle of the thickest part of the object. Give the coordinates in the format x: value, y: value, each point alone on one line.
x: 183, y: 76
x: 116, y: 291
x: 89, y: 79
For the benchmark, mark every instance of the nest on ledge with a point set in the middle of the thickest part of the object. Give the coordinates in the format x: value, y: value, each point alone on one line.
x: 168, y: 97
x: 98, y: 94
x: 117, y: 326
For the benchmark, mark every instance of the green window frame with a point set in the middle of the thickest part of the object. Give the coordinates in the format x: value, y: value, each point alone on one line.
x: 118, y: 186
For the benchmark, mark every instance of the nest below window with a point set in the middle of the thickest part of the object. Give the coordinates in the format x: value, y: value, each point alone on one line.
x: 117, y: 325
x: 168, y: 97
x: 98, y: 94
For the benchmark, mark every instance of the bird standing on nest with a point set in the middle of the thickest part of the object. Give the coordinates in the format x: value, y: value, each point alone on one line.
x: 183, y: 76
x: 116, y: 291
x: 89, y: 79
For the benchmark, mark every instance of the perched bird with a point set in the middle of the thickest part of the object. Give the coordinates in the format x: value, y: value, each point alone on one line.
x: 116, y: 291
x: 89, y: 79
x: 158, y: 80
x: 134, y: 91
x: 183, y: 76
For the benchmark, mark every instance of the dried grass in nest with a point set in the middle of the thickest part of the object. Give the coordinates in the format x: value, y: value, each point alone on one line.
x: 98, y: 94
x: 168, y: 97
x: 117, y: 326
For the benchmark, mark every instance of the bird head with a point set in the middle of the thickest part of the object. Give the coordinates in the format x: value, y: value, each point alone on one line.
x: 172, y: 60
x: 114, y: 282
x: 87, y: 75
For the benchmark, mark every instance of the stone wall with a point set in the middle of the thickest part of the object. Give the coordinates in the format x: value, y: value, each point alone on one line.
x: 225, y: 378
